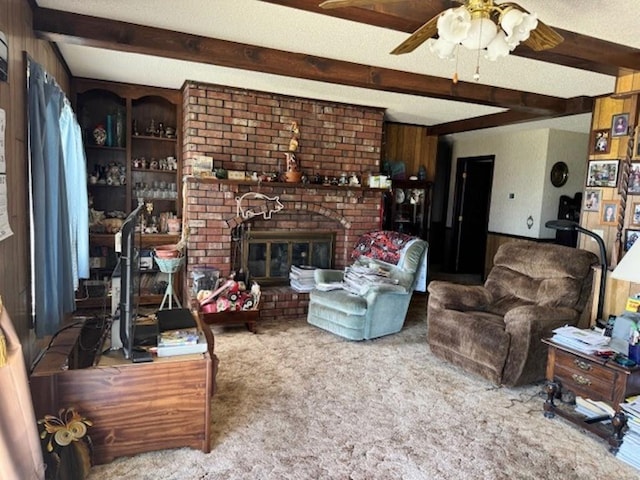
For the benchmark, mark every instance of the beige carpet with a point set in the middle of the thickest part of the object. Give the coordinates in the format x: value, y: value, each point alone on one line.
x: 295, y: 402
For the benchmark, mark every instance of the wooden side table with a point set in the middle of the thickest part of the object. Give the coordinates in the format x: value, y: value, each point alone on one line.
x: 591, y: 377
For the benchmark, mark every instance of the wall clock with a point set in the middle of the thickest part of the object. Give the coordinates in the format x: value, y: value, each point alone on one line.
x: 559, y: 174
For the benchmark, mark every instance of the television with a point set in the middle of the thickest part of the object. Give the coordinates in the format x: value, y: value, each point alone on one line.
x: 129, y: 270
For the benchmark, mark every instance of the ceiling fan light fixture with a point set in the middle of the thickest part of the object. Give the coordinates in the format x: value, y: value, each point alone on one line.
x: 454, y: 24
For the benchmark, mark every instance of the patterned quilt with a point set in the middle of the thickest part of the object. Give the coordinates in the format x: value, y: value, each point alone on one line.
x: 383, y: 245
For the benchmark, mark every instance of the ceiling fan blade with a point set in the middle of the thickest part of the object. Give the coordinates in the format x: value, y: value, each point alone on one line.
x: 543, y: 38
x: 354, y: 3
x: 424, y: 33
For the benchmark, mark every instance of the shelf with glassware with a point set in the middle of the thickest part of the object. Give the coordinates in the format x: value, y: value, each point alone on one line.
x: 407, y: 207
x: 154, y: 161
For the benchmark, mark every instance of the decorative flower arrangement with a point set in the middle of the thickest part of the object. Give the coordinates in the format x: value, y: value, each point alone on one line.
x: 68, y: 447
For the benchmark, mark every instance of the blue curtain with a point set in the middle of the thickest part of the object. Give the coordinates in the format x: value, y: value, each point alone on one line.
x: 53, y: 248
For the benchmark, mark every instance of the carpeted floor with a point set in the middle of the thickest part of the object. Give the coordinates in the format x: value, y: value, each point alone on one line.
x: 296, y: 402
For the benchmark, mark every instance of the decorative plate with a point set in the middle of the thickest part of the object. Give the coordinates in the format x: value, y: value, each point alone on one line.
x: 559, y: 174
x: 400, y: 195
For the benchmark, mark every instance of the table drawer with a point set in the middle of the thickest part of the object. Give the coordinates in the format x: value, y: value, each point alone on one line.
x: 578, y: 374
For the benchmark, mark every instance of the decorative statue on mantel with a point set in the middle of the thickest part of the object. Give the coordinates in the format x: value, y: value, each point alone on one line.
x: 293, y: 173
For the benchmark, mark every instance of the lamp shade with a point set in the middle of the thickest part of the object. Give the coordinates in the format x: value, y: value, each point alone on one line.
x: 629, y: 267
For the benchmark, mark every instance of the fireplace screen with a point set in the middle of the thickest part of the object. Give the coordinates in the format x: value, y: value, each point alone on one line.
x: 268, y: 256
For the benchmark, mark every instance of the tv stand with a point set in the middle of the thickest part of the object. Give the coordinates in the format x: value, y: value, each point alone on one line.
x: 125, y: 400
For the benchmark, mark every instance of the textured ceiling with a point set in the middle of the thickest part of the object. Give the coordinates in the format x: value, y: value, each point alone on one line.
x: 274, y: 26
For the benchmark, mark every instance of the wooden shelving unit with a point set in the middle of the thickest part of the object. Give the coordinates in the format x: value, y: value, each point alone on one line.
x: 140, y: 161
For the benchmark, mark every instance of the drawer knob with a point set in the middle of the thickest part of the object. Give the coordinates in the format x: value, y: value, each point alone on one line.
x: 580, y: 379
x: 582, y: 365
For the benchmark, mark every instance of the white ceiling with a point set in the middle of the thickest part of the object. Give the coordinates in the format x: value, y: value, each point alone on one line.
x: 268, y: 25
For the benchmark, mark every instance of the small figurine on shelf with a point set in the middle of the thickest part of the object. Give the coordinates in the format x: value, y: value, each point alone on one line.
x: 134, y: 127
x: 160, y: 132
x: 100, y: 135
x: 151, y: 129
x: 293, y: 173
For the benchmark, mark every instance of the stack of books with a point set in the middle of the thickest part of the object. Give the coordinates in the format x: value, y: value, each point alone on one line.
x: 301, y: 278
x: 629, y: 451
x: 181, y: 342
x: 582, y: 340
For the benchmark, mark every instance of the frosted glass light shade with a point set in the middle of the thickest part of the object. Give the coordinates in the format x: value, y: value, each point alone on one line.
x: 517, y: 25
x: 482, y: 31
x: 498, y: 47
x: 454, y: 24
x: 629, y: 267
x: 443, y: 48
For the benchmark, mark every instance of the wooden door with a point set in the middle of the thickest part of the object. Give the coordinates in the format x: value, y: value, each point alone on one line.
x: 474, y: 179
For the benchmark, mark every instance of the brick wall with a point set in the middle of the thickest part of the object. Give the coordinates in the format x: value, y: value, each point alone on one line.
x: 245, y: 130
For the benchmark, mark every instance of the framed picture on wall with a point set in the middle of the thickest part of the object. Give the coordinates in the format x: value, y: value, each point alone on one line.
x: 600, y: 141
x: 636, y: 147
x: 602, y: 173
x: 620, y: 125
x: 635, y: 214
x: 634, y: 179
x: 630, y: 237
x: 609, y: 212
x: 592, y: 200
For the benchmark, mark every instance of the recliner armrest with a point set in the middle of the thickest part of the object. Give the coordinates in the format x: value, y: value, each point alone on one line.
x: 324, y: 275
x: 453, y: 296
x: 547, y: 318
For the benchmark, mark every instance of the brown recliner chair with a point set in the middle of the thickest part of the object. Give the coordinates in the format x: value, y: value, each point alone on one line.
x: 495, y: 330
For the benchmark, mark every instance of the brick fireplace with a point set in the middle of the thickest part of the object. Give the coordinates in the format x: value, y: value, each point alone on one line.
x: 249, y: 131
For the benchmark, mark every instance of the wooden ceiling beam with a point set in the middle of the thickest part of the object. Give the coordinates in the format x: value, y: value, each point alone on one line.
x: 577, y: 51
x: 65, y: 27
x: 575, y: 106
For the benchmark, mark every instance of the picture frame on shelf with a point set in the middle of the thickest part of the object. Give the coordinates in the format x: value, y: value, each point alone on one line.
x: 592, y: 200
x: 609, y: 212
x: 602, y: 173
x: 600, y: 141
x: 635, y: 214
x: 630, y: 237
x: 634, y: 179
x: 620, y: 125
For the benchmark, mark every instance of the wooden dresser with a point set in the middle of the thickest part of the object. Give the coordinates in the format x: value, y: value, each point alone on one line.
x: 591, y: 377
x: 135, y: 407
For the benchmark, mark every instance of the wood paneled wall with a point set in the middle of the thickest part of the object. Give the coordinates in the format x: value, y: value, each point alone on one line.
x: 411, y: 145
x: 15, y: 23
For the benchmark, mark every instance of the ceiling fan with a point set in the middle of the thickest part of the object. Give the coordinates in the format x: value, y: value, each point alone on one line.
x: 477, y: 25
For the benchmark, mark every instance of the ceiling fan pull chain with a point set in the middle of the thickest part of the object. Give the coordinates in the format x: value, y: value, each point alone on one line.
x: 455, y: 74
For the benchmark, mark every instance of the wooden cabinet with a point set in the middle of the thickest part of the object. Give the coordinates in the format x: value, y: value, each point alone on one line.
x: 407, y: 207
x: 132, y: 143
x: 125, y: 400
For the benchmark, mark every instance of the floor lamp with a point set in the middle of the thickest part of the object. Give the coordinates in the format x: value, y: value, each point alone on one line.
x: 569, y: 225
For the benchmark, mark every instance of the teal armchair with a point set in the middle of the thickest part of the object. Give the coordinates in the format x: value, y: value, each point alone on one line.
x: 379, y: 309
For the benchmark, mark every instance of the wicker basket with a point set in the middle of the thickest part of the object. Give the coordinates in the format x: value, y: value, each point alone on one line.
x: 169, y: 265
